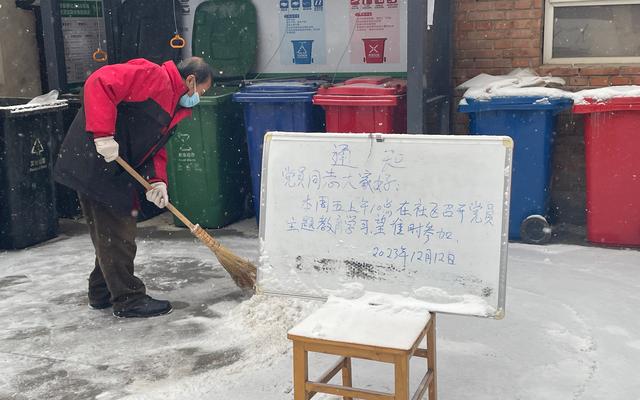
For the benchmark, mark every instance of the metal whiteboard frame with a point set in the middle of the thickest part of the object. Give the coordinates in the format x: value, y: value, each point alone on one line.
x: 502, y: 280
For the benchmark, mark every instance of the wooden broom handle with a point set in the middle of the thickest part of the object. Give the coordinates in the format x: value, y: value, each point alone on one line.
x: 148, y: 187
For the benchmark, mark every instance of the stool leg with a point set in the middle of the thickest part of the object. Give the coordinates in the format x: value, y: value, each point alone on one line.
x: 300, y: 372
x: 346, y: 375
x: 402, y: 377
x: 431, y: 357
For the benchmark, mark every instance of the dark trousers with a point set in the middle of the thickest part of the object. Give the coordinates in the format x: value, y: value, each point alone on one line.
x: 114, y: 239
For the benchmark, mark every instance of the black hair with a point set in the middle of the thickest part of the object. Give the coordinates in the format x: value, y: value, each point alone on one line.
x: 195, y: 66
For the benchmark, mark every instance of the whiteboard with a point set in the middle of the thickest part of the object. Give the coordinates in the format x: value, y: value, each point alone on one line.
x: 424, y: 216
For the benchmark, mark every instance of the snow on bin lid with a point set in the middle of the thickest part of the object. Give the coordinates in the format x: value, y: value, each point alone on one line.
x: 513, y: 91
x: 367, y: 86
x: 54, y: 105
x: 613, y: 98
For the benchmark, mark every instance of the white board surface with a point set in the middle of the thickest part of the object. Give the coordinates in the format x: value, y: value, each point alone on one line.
x: 424, y: 216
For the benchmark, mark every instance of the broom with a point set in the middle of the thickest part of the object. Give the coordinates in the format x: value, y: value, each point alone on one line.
x: 242, y: 271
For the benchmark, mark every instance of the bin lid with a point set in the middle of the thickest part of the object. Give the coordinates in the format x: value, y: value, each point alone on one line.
x: 282, y: 86
x: 532, y: 103
x: 278, y: 90
x: 18, y: 107
x: 273, y: 97
x: 225, y: 35
x: 612, y: 104
x: 367, y: 86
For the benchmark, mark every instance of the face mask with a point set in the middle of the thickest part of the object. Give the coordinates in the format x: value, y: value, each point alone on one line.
x: 190, y: 101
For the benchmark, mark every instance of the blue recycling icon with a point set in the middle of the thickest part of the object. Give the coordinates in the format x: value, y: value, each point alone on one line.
x: 302, y: 51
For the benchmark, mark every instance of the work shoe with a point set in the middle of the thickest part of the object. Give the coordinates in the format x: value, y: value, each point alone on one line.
x: 99, y: 297
x: 141, y: 307
x: 99, y: 305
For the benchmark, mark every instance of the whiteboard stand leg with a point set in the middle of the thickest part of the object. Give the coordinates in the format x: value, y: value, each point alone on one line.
x: 431, y: 357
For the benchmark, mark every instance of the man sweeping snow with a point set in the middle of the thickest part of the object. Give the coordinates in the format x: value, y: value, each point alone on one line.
x: 130, y: 111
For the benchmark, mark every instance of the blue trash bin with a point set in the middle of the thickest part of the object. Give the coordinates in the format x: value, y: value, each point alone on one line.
x: 530, y: 122
x: 276, y: 106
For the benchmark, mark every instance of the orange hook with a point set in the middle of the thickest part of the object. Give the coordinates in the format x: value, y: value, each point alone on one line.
x: 177, y: 41
x: 99, y: 56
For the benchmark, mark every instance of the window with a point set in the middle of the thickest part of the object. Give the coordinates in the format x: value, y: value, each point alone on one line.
x: 581, y: 31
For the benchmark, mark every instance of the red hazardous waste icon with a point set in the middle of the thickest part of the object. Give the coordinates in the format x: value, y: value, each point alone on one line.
x: 374, y: 50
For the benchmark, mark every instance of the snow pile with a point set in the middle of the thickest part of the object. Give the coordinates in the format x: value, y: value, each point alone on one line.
x: 606, y: 93
x: 374, y: 319
x: 265, y: 321
x: 348, y: 290
x: 519, y: 82
x: 466, y: 304
x: 48, y: 101
x: 526, y: 83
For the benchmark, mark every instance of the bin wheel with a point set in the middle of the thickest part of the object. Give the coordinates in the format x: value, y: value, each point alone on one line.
x: 535, y: 230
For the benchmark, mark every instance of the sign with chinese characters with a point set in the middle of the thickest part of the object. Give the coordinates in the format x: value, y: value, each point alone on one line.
x: 39, y: 157
x: 302, y: 24
x: 331, y: 36
x: 375, y: 37
x: 419, y: 215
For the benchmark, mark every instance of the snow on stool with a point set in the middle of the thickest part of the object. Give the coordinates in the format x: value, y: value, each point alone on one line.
x: 378, y: 327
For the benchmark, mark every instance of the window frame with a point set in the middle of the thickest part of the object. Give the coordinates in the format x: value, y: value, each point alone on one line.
x: 551, y: 5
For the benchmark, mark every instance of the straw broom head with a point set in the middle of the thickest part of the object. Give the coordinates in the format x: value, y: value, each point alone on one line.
x: 242, y: 271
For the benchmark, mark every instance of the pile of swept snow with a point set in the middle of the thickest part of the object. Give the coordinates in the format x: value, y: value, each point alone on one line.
x: 266, y: 320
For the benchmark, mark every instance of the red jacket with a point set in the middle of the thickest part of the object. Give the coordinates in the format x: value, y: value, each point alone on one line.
x: 136, y: 81
x: 137, y: 102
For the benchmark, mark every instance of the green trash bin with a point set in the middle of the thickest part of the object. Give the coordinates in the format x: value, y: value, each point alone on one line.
x: 27, y: 200
x: 208, y: 165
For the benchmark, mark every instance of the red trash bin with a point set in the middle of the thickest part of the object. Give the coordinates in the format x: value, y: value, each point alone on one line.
x: 612, y: 152
x: 367, y: 104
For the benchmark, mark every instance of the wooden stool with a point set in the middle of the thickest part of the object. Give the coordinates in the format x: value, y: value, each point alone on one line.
x: 358, y: 333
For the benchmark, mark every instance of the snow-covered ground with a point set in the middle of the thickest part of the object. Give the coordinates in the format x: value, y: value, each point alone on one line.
x: 571, y: 331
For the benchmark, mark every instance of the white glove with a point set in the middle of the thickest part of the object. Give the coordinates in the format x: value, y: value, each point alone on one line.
x: 158, y: 194
x: 107, y: 147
